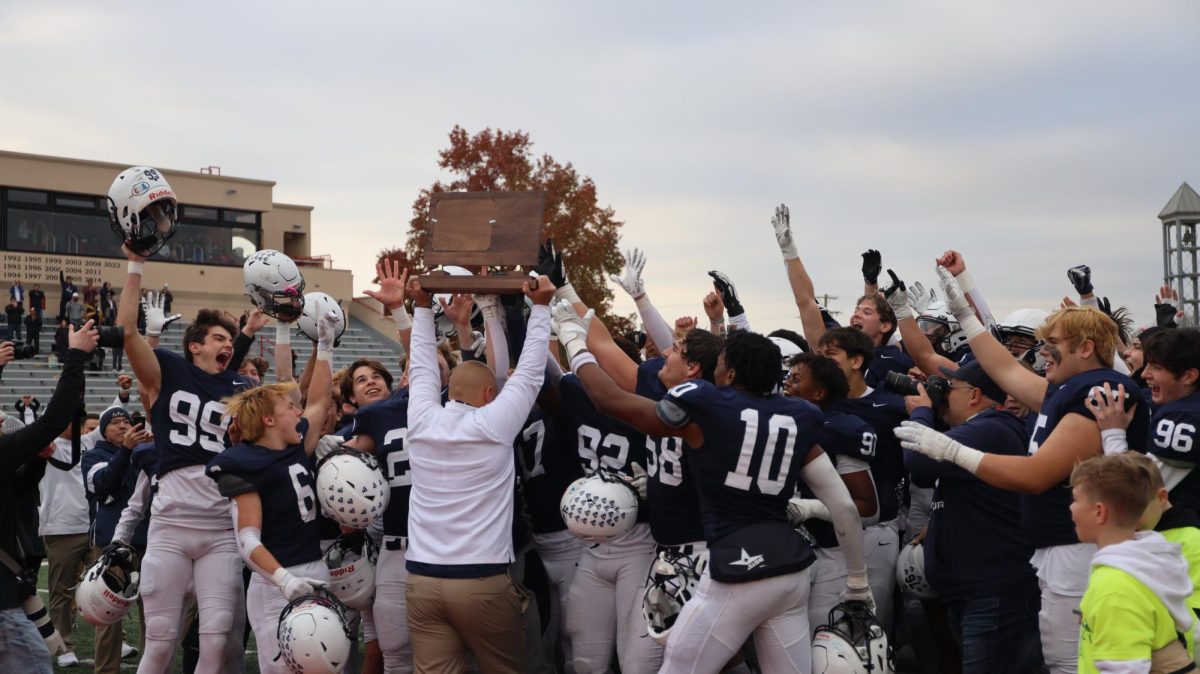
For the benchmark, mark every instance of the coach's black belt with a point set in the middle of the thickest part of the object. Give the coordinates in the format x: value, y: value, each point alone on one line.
x: 395, y: 542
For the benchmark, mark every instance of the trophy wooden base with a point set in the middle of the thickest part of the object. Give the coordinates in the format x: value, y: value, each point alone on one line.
x: 482, y: 285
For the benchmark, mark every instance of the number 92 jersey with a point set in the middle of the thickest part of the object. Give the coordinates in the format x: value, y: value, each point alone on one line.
x: 1173, y: 432
x: 189, y: 416
x: 285, y: 484
x: 753, y: 451
x: 386, y: 422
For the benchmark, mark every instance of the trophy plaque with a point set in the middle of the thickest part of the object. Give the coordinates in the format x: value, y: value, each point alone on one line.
x: 482, y: 228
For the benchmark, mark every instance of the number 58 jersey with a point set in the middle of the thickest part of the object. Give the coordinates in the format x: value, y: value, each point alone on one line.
x: 190, y: 427
x: 753, y: 451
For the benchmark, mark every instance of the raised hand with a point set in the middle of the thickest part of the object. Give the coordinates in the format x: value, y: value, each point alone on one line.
x: 1166, y: 311
x: 156, y: 318
x: 684, y: 325
x: 414, y: 290
x: 631, y: 280
x: 872, y: 266
x: 1081, y: 278
x: 782, y: 224
x: 571, y: 328
x: 728, y: 293
x: 953, y: 261
x: 458, y: 310
x: 714, y: 308
x: 897, y: 297
x: 956, y: 299
x: 327, y: 331
x: 85, y: 338
x: 543, y: 293
x: 256, y: 320
x: 393, y: 283
x: 550, y: 264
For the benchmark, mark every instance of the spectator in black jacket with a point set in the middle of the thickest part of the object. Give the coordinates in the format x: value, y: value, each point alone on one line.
x: 33, y: 328
x: 27, y: 409
x: 13, y: 312
x: 68, y: 289
x: 60, y: 339
x: 37, y: 298
x: 19, y: 444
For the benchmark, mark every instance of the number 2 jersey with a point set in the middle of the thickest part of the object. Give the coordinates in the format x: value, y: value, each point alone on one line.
x: 1046, y: 517
x: 190, y: 426
x: 386, y: 423
x: 753, y: 452
x: 1173, y: 432
x: 285, y: 483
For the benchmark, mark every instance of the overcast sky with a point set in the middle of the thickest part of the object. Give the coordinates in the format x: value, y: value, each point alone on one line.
x: 1030, y: 136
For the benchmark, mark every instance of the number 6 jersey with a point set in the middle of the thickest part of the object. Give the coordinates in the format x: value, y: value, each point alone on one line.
x: 189, y: 424
x: 754, y: 449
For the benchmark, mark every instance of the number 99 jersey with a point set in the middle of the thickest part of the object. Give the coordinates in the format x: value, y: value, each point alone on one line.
x: 1173, y: 435
x: 188, y: 416
x: 285, y: 483
x: 754, y: 449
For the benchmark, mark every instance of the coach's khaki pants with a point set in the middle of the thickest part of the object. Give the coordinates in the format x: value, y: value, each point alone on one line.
x: 449, y: 616
x: 66, y: 555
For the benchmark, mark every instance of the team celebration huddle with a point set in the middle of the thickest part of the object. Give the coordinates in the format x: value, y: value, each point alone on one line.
x: 528, y: 491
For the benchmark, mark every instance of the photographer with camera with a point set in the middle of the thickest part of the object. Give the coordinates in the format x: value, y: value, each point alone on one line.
x: 26, y: 651
x: 976, y: 555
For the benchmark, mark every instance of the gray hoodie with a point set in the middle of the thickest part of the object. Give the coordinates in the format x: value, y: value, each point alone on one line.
x: 1159, y: 565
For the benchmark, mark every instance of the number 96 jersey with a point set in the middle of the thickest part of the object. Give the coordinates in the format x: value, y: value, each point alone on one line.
x: 1173, y: 435
x: 754, y: 449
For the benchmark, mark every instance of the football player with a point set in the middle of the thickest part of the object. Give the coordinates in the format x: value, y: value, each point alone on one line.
x: 269, y: 478
x: 1079, y: 343
x: 872, y: 314
x: 850, y: 443
x: 190, y: 541
x: 758, y: 579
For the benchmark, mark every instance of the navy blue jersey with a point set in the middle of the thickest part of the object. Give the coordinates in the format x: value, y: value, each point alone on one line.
x: 188, y: 416
x: 843, y: 435
x: 547, y: 463
x: 670, y: 487
x: 974, y: 545
x: 285, y: 482
x: 884, y: 411
x: 1173, y: 434
x: 754, y: 449
x: 1047, y: 516
x: 386, y: 423
x: 887, y: 359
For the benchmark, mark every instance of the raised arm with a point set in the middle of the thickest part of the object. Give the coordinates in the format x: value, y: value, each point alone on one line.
x: 393, y: 283
x: 631, y: 282
x: 137, y: 350
x: 915, y: 342
x: 1028, y: 388
x: 320, y: 389
x: 507, y: 413
x: 256, y: 321
x: 798, y: 279
x: 497, y: 341
x: 424, y: 380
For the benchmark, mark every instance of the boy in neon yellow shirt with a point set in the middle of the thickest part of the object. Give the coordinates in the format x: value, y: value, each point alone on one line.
x: 1178, y: 525
x: 1134, y: 615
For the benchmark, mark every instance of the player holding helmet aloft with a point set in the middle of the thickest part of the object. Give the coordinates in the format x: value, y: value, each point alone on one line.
x: 191, y: 541
x: 750, y: 448
x: 1079, y: 346
x: 269, y: 478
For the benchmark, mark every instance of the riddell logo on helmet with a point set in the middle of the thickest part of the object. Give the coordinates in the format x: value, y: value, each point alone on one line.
x: 119, y: 601
x: 140, y: 188
x: 338, y: 573
x: 161, y: 194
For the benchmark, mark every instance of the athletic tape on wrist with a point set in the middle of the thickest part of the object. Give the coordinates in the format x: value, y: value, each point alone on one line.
x: 566, y: 292
x: 136, y: 267
x: 966, y: 281
x: 283, y: 334
x: 402, y: 319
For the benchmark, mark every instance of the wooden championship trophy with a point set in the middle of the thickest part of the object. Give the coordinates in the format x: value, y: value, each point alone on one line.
x: 483, y: 228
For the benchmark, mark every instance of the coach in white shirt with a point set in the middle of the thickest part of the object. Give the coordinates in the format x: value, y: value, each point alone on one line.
x: 459, y: 593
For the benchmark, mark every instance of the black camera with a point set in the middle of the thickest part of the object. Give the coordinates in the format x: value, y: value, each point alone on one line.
x: 23, y: 351
x: 112, y: 336
x: 901, y: 384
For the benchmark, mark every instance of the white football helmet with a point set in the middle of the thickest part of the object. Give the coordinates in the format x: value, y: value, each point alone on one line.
x: 314, y: 637
x: 941, y: 327
x: 673, y: 581
x: 600, y: 507
x: 910, y: 573
x: 107, y: 589
x: 142, y: 209
x: 318, y: 304
x: 274, y: 284
x: 1021, y: 323
x: 787, y: 349
x: 851, y: 643
x: 351, y: 562
x: 351, y: 488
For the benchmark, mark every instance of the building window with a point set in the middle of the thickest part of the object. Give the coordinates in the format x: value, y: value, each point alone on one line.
x: 28, y: 197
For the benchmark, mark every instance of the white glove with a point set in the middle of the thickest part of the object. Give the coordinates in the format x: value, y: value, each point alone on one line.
x: 294, y: 588
x: 956, y: 304
x: 327, y: 334
x: 801, y: 509
x: 631, y: 280
x: 638, y: 481
x: 918, y: 299
x: 858, y: 590
x: 489, y: 306
x: 156, y: 317
x: 327, y: 444
x: 897, y: 299
x: 571, y: 327
x: 937, y: 446
x: 782, y: 223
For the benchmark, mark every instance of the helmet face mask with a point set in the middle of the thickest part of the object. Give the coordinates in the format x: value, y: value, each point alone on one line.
x: 142, y: 209
x: 351, y: 560
x: 106, y: 590
x: 314, y: 635
x: 673, y: 581
x: 852, y: 642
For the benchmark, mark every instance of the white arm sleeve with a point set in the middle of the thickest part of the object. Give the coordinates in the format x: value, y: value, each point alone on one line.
x: 553, y: 370
x: 134, y: 510
x: 1113, y: 440
x: 847, y: 465
x: 656, y: 327
x: 820, y: 476
x: 493, y: 329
